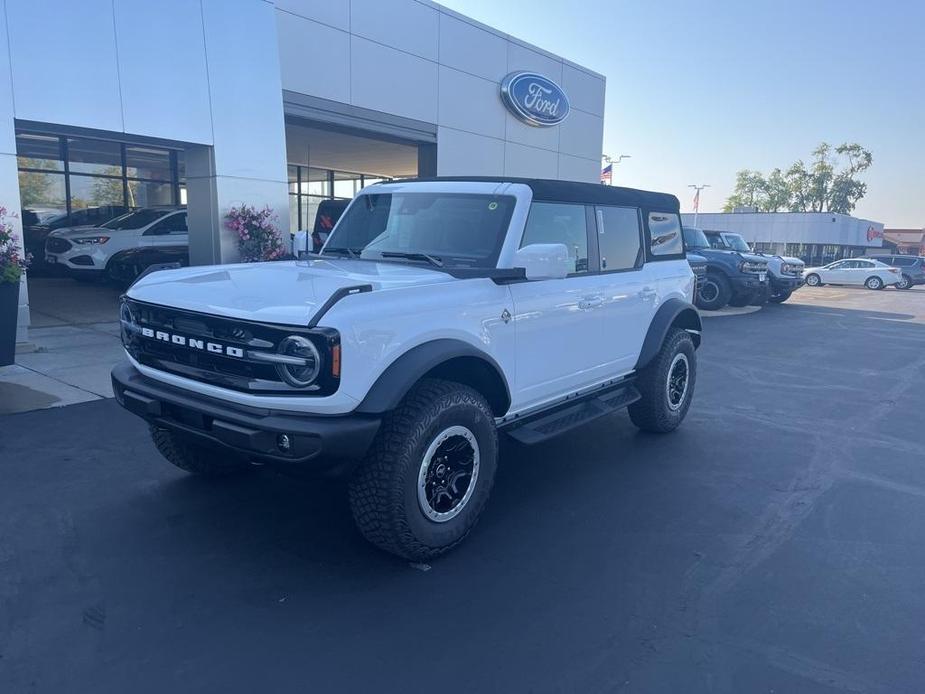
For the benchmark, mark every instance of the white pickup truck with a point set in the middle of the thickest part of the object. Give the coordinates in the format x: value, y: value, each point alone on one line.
x: 438, y: 314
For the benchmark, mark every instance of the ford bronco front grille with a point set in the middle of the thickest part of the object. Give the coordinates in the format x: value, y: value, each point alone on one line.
x: 220, y: 351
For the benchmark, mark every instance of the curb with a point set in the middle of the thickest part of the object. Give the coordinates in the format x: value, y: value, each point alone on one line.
x: 730, y: 311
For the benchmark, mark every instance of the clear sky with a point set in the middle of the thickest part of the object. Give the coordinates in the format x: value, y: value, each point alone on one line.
x: 699, y: 90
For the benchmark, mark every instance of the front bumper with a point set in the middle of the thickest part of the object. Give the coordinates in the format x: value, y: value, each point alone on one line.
x: 748, y: 283
x: 333, y: 444
x: 787, y: 284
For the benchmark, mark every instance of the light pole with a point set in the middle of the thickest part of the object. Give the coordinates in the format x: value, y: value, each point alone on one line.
x: 613, y: 162
x: 697, y: 198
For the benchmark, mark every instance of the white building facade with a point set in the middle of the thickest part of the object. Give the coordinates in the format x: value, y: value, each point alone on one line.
x: 113, y: 104
x: 816, y: 237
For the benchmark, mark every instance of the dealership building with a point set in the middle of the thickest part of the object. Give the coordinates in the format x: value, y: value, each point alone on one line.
x: 114, y: 104
x: 815, y: 237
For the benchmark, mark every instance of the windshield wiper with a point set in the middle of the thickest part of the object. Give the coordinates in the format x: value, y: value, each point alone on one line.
x: 432, y: 259
x: 349, y: 252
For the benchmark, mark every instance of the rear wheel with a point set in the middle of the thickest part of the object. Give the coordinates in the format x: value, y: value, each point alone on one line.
x: 197, y: 460
x: 666, y: 385
x: 874, y: 282
x: 428, y: 474
x: 813, y: 280
x: 905, y: 282
x: 714, y: 292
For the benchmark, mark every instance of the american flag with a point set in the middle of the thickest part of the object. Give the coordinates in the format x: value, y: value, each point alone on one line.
x: 607, y: 174
x: 697, y: 201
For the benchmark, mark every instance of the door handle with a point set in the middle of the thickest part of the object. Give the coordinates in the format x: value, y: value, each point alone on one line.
x: 590, y: 302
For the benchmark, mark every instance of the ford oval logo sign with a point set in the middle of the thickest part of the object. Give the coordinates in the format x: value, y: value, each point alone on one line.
x: 534, y: 99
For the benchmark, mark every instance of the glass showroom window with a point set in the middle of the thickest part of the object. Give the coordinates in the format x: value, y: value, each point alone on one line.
x: 308, y: 186
x: 81, y: 180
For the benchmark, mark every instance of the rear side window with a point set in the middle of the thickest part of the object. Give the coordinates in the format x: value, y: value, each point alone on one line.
x: 665, y: 235
x: 903, y: 262
x: 618, y: 238
x: 553, y: 222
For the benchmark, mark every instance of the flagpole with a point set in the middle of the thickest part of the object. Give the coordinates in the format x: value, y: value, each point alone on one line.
x: 612, y: 162
x: 697, y: 199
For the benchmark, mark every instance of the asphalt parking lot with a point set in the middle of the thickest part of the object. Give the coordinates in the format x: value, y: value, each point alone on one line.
x: 773, y: 544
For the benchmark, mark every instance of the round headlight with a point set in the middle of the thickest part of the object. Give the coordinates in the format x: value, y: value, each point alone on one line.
x: 306, y: 362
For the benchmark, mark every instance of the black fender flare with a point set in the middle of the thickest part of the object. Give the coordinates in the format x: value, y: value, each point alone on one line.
x: 672, y: 312
x: 401, y: 375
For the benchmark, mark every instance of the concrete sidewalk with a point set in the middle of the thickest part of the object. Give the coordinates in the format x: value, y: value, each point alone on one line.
x: 70, y: 364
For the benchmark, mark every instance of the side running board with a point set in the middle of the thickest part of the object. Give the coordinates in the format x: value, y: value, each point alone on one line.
x: 334, y: 298
x: 547, y: 424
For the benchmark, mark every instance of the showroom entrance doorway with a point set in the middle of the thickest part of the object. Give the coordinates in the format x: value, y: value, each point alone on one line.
x: 327, y: 163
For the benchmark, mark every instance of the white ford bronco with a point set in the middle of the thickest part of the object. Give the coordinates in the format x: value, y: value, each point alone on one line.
x: 438, y: 314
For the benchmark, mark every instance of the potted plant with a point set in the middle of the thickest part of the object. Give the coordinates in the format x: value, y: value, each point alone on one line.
x: 258, y: 237
x: 12, y: 265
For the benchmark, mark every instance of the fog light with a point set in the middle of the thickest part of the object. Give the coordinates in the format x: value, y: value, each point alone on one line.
x: 283, y: 442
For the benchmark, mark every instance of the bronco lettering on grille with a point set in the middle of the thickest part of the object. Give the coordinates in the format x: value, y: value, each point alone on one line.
x: 193, y: 343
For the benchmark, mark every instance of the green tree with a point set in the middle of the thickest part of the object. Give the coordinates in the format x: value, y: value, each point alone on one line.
x: 748, y: 191
x: 776, y: 193
x: 828, y: 184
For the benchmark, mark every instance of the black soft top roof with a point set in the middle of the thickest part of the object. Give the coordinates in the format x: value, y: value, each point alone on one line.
x: 573, y: 191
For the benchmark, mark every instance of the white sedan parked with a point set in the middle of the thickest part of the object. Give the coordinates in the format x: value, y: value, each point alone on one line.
x: 860, y: 271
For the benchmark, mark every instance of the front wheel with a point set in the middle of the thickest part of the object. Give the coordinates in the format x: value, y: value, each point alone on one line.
x: 666, y: 385
x: 779, y: 297
x: 713, y: 294
x: 813, y: 280
x: 429, y: 473
x: 874, y: 282
x: 743, y: 299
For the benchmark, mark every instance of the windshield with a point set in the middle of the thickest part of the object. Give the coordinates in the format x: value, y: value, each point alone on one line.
x: 694, y: 238
x: 449, y: 229
x: 736, y: 242
x: 136, y: 219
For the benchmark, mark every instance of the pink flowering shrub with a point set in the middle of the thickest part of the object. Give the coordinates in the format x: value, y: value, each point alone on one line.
x: 11, y: 263
x: 258, y: 237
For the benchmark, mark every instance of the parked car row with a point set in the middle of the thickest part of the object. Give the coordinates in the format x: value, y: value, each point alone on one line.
x: 729, y: 272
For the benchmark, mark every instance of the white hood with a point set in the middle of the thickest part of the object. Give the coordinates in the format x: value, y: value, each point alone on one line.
x: 279, y: 292
x: 71, y: 232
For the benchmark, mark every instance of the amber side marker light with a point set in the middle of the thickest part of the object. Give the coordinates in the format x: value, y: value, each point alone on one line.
x: 335, y: 361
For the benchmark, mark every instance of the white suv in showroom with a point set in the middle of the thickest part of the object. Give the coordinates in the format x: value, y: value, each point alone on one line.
x: 85, y: 252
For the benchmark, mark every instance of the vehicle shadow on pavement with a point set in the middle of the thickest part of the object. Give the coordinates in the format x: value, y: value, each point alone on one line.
x: 772, y: 541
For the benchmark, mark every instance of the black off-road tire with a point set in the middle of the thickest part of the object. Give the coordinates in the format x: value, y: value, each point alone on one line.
x: 194, y: 459
x: 761, y: 297
x: 383, y: 491
x: 717, y: 290
x: 779, y: 297
x: 653, y: 412
x: 740, y: 300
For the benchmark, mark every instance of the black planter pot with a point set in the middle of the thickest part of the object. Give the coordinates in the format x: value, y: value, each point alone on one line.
x: 9, y: 309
